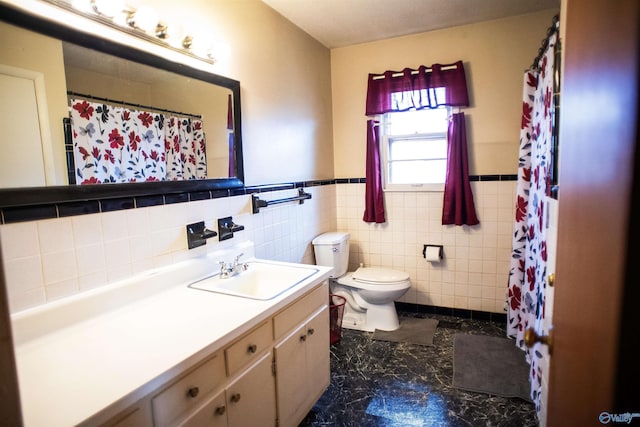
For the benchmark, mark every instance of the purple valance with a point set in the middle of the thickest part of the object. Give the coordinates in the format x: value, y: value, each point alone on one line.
x: 417, y: 89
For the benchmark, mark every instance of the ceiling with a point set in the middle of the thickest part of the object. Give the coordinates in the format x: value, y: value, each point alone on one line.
x: 339, y: 23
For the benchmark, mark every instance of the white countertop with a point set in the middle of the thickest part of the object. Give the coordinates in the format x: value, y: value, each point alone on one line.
x: 68, y: 374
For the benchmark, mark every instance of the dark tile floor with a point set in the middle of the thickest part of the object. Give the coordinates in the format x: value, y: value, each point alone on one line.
x: 378, y: 383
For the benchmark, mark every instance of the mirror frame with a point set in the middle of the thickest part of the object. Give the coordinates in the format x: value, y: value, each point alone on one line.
x: 26, y: 196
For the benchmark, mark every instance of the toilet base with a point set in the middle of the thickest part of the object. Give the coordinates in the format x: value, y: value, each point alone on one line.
x: 380, y: 316
x: 353, y: 320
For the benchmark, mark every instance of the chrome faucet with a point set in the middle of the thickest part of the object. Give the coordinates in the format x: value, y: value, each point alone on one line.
x: 228, y: 270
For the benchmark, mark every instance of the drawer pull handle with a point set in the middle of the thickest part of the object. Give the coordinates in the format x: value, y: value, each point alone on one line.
x: 303, y: 338
x: 310, y: 331
x: 252, y: 348
x: 220, y: 410
x: 193, y: 392
x: 235, y: 397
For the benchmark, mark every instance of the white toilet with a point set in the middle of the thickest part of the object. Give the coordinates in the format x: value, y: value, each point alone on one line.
x: 369, y: 291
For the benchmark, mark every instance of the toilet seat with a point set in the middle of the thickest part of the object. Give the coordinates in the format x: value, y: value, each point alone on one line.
x: 379, y: 276
x: 374, y: 278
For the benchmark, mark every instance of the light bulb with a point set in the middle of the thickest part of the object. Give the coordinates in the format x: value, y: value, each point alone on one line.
x: 201, y: 46
x: 175, y: 34
x: 201, y: 43
x: 82, y: 5
x: 145, y: 19
x: 109, y: 8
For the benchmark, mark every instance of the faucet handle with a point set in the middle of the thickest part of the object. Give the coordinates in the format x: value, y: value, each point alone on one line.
x: 238, y: 257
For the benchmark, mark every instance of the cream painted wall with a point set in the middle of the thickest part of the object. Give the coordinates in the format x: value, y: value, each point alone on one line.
x: 494, y: 53
x: 105, y: 86
x: 285, y: 79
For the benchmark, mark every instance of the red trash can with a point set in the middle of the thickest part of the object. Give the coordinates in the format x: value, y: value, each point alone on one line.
x: 336, y: 310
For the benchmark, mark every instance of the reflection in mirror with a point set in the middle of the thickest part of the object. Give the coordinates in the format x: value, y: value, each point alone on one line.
x: 23, y: 117
x: 51, y: 60
x: 142, y: 123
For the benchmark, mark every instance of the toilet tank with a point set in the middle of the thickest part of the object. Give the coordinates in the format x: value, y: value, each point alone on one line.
x: 332, y: 250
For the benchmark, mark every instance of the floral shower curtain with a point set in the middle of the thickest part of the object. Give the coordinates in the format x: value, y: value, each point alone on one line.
x: 528, y: 273
x: 116, y: 144
x: 185, y: 149
x: 145, y: 135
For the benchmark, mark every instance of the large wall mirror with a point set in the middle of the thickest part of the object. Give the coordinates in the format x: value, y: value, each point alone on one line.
x: 46, y: 68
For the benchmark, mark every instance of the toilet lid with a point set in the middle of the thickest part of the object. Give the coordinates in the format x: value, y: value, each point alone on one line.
x: 375, y: 275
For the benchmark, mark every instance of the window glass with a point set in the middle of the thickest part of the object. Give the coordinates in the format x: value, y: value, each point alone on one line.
x: 414, y: 149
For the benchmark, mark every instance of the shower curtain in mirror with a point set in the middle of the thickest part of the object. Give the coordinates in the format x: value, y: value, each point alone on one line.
x: 527, y: 275
x: 114, y: 144
x: 185, y: 149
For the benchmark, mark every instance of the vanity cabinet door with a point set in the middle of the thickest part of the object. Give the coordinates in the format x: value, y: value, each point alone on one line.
x: 249, y: 400
x: 290, y: 375
x: 251, y: 397
x: 302, y: 368
x: 318, y: 371
x: 212, y: 414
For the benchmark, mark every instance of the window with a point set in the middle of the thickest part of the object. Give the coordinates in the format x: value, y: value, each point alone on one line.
x: 414, y: 149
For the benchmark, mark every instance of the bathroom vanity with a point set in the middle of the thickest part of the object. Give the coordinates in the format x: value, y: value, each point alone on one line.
x: 152, y: 351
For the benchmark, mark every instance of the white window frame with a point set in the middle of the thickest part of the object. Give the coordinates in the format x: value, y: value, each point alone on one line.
x: 384, y: 157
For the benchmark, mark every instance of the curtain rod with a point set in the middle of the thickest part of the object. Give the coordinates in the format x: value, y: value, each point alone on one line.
x: 129, y: 104
x: 428, y: 70
x: 555, y: 26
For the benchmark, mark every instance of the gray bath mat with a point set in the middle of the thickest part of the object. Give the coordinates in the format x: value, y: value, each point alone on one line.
x: 491, y: 365
x: 412, y: 331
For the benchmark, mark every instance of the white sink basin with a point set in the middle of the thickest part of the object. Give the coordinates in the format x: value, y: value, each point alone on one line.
x: 261, y: 280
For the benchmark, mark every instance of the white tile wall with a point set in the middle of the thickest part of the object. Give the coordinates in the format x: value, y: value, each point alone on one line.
x: 54, y: 258
x: 50, y: 259
x: 473, y: 274
x: 284, y: 232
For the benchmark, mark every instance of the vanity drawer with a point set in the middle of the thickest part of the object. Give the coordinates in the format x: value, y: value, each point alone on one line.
x: 248, y: 347
x: 188, y: 391
x: 294, y: 315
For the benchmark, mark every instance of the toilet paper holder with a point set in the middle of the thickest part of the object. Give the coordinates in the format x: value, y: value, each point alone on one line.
x: 440, y: 250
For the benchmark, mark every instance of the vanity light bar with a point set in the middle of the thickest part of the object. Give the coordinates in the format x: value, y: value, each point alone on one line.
x: 142, y: 23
